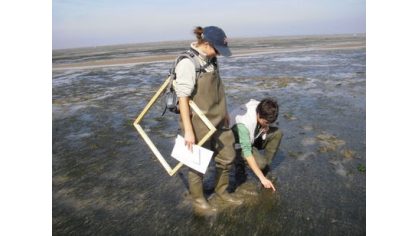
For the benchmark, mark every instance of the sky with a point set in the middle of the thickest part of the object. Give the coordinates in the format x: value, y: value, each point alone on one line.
x: 82, y: 23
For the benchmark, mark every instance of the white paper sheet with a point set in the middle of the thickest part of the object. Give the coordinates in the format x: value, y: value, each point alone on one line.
x: 198, y: 159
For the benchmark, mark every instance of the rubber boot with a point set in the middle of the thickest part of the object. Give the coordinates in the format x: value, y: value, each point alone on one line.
x: 222, y: 182
x: 199, y: 202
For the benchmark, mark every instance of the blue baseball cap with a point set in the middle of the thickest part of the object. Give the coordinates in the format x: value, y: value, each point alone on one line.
x: 217, y: 38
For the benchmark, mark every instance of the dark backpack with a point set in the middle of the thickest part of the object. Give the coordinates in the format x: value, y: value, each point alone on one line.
x: 170, y: 97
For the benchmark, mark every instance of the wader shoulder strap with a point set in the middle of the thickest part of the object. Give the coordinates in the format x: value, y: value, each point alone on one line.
x: 171, y: 99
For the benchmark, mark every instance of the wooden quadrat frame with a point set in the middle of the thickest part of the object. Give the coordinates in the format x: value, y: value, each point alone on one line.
x: 171, y: 171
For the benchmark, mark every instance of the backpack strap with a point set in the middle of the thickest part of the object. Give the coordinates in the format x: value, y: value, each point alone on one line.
x: 192, y: 55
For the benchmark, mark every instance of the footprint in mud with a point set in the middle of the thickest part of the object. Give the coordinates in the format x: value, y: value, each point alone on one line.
x: 306, y: 155
x: 308, y: 141
x: 339, y: 168
x: 294, y: 154
x: 307, y: 127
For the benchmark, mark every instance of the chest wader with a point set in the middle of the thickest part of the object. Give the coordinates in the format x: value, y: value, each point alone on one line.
x: 209, y: 96
x: 270, y: 146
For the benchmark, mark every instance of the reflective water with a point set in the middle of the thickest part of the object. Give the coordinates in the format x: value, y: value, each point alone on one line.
x: 107, y: 182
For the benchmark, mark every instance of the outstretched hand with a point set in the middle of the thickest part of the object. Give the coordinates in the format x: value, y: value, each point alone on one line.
x: 268, y: 184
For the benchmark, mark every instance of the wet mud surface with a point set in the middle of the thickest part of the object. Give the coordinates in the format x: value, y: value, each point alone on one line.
x: 106, y: 181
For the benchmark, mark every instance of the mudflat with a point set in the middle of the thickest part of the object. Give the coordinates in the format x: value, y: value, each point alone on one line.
x: 151, y: 53
x: 106, y: 181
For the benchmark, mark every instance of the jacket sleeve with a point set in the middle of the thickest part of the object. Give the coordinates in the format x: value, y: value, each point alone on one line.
x: 185, y: 78
x: 243, y: 135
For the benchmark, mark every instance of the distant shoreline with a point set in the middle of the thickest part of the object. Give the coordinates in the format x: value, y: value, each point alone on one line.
x: 130, y: 61
x: 230, y: 39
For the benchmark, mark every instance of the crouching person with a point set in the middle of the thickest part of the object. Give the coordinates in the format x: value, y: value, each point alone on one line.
x: 257, y: 141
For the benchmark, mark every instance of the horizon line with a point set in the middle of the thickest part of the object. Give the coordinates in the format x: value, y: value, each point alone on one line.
x: 181, y: 40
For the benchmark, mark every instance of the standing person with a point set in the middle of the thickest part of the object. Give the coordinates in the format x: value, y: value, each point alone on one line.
x: 206, y: 89
x: 252, y: 130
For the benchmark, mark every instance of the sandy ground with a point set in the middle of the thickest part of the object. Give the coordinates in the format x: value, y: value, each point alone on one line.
x: 169, y: 57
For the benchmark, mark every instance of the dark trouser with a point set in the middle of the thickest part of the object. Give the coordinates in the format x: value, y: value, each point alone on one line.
x: 221, y: 143
x: 269, y: 146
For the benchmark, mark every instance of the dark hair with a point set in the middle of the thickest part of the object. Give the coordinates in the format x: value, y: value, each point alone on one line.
x: 268, y: 109
x: 198, y: 31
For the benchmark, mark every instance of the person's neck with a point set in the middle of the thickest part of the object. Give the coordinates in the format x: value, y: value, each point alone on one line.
x: 199, y: 50
x: 204, y: 50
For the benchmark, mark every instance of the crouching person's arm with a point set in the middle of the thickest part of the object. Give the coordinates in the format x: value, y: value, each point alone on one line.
x: 254, y: 167
x: 246, y: 146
